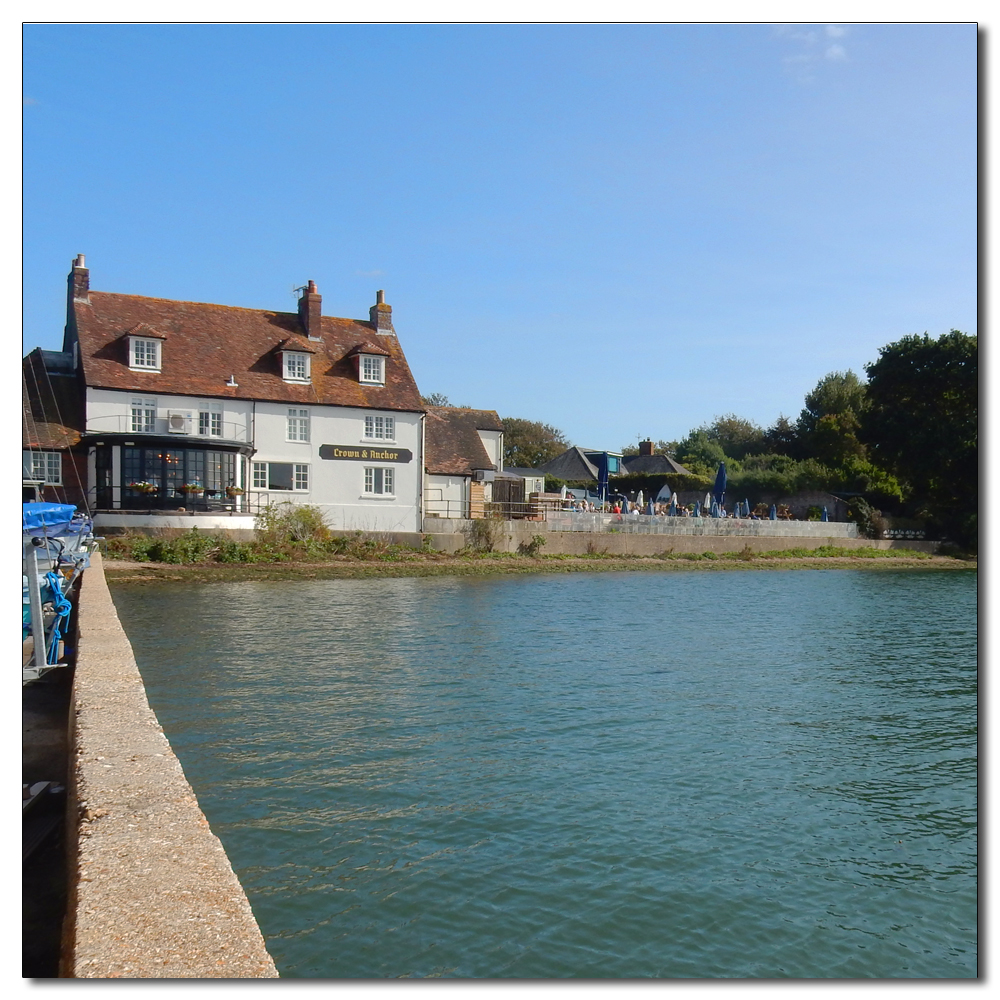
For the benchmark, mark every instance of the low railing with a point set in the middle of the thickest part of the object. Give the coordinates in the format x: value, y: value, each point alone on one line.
x: 121, y: 423
x: 465, y: 509
x: 165, y: 498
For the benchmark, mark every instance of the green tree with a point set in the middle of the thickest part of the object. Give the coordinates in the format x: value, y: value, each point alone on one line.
x: 828, y: 427
x: 782, y: 438
x: 922, y: 422
x: 659, y: 448
x: 699, y: 453
x: 737, y: 436
x: 435, y: 399
x: 527, y: 444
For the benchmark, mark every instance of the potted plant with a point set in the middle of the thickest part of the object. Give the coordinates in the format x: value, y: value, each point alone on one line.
x: 143, y: 487
x: 234, y: 491
x: 193, y: 488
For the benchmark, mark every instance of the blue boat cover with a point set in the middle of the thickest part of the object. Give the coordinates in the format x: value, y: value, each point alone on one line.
x: 47, y: 518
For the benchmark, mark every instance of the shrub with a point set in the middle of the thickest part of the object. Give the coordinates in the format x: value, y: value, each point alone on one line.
x: 532, y: 548
x: 290, y: 522
x: 483, y: 534
x: 870, y: 522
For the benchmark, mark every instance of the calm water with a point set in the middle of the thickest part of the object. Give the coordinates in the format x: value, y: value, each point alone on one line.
x: 726, y: 774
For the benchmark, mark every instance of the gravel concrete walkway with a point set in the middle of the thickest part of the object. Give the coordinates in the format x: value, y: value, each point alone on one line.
x: 152, y: 893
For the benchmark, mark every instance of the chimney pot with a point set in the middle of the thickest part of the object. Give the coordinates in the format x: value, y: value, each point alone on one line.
x: 311, y: 310
x: 79, y: 281
x: 380, y: 314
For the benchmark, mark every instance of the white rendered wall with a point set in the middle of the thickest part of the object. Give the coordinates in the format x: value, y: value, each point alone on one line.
x: 493, y: 443
x: 446, y: 496
x: 338, y: 486
x: 110, y: 410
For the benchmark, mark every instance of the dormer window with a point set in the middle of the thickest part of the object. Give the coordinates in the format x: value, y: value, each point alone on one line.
x: 372, y: 370
x: 295, y: 366
x: 144, y: 354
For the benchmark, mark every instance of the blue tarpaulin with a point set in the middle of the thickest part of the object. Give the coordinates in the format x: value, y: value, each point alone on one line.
x: 47, y: 518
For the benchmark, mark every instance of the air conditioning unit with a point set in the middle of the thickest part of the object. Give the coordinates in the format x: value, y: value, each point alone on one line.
x: 483, y: 475
x: 178, y: 422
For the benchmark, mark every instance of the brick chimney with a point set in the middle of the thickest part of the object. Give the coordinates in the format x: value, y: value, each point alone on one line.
x: 77, y: 294
x: 310, y: 311
x: 79, y: 281
x: 381, y: 314
x: 645, y: 447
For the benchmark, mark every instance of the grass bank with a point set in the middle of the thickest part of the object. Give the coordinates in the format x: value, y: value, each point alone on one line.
x: 394, y: 561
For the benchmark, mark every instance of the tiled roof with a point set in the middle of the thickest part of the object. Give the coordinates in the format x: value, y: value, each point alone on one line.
x: 296, y: 343
x: 454, y: 447
x: 366, y: 347
x: 206, y: 344
x: 572, y: 464
x: 653, y: 464
x: 51, y: 406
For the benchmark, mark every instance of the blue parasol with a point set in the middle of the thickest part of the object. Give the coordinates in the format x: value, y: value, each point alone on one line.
x: 825, y: 516
x: 720, y: 484
x: 774, y: 513
x: 697, y: 508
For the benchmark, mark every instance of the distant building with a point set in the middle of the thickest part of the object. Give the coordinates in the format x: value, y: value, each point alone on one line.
x: 583, y: 463
x: 534, y: 479
x: 53, y: 465
x: 464, y: 451
x: 648, y: 463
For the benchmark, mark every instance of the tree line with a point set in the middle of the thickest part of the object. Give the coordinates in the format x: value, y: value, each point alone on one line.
x: 905, y: 437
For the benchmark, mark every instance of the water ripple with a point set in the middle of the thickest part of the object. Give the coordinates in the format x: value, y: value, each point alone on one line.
x: 698, y: 776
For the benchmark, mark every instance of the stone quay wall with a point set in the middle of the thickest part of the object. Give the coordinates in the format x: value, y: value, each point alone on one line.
x: 152, y: 894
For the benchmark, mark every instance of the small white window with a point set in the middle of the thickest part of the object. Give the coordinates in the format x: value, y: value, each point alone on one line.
x: 298, y: 425
x: 379, y: 481
x: 43, y: 465
x: 372, y: 369
x: 143, y: 416
x: 380, y: 428
x: 296, y: 366
x: 144, y: 353
x: 210, y: 419
x: 280, y: 476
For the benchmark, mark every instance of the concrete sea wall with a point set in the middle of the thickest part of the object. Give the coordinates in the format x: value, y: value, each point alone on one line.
x: 152, y: 894
x: 678, y: 535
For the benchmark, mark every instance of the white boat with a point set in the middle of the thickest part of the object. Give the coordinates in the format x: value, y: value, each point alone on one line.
x: 56, y: 545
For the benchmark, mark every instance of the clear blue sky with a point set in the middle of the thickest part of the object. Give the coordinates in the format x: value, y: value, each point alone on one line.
x: 620, y: 230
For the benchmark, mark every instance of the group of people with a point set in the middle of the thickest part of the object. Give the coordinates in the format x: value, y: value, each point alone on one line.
x: 709, y: 508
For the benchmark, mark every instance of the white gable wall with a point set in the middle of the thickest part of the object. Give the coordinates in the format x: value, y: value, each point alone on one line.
x: 493, y: 443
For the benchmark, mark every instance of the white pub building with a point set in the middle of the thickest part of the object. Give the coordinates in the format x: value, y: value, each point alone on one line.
x: 188, y: 408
